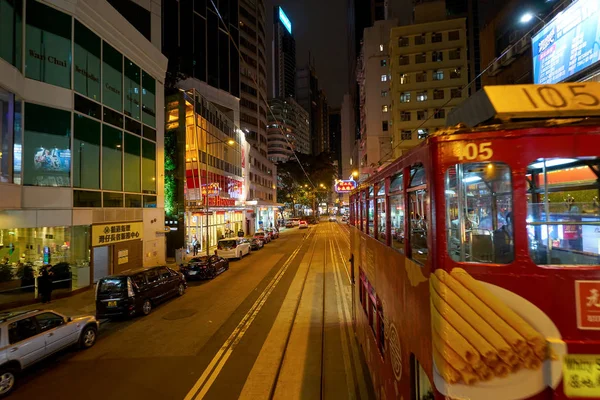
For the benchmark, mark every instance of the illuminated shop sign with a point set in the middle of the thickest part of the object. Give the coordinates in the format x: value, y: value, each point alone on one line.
x: 345, y: 186
x: 285, y: 20
x: 568, y: 44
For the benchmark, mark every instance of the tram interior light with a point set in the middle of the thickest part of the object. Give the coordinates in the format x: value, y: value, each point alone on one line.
x: 552, y: 163
x: 452, y: 192
x: 471, y: 179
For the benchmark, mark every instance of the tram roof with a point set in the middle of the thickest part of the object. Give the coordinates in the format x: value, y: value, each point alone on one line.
x: 497, y: 104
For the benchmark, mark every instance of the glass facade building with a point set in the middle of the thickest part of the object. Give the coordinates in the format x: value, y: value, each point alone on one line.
x: 79, y: 139
x: 203, y: 145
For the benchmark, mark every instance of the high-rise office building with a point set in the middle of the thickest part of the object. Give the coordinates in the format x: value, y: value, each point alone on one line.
x: 284, y: 56
x: 260, y: 172
x: 314, y: 101
x: 199, y: 46
x: 335, y: 137
x: 288, y: 129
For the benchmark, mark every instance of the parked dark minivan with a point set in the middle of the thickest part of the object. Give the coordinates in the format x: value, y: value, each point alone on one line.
x: 136, y: 291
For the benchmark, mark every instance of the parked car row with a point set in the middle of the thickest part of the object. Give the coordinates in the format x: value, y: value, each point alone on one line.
x: 30, y: 336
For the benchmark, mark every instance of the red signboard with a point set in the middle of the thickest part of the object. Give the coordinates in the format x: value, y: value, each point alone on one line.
x: 588, y: 304
x: 345, y: 186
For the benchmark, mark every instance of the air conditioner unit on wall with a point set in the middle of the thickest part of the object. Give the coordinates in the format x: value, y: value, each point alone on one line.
x: 523, y: 44
x: 495, y: 69
x: 508, y: 57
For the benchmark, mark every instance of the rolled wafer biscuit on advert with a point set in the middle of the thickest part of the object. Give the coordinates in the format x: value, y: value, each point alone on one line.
x: 484, y: 373
x: 532, y: 336
x: 512, y: 337
x: 448, y: 373
x: 504, y: 350
x: 501, y: 370
x: 449, y: 355
x: 487, y: 351
x: 452, y: 338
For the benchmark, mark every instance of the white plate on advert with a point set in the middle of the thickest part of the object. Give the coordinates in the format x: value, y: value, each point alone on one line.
x: 524, y: 383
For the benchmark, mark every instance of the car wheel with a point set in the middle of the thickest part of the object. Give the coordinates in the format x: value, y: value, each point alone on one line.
x: 180, y: 289
x: 146, y: 307
x: 8, y: 379
x: 88, y: 337
x: 213, y: 273
x: 227, y: 266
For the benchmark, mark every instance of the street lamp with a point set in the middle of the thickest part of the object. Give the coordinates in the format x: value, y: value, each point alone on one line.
x: 355, y: 174
x: 528, y: 16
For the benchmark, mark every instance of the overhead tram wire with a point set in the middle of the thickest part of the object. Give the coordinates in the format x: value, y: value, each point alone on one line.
x: 391, y: 152
x: 264, y: 100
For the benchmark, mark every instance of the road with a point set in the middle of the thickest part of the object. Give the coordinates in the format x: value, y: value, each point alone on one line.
x: 277, y: 324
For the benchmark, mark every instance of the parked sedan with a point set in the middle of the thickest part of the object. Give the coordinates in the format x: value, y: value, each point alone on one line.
x: 303, y: 225
x: 262, y: 235
x: 256, y: 244
x: 233, y: 248
x: 274, y: 233
x: 137, y: 291
x: 204, y: 267
x: 29, y: 336
x: 290, y: 224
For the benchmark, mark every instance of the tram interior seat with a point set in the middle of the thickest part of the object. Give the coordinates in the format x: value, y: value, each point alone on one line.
x: 482, y: 248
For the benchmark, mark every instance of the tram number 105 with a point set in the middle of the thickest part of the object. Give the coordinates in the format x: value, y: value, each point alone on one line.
x: 560, y: 96
x: 474, y: 151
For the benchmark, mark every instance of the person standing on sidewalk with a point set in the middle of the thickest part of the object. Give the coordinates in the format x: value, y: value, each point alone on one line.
x: 45, y: 284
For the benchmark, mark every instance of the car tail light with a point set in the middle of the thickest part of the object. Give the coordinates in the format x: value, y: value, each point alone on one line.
x: 130, y: 292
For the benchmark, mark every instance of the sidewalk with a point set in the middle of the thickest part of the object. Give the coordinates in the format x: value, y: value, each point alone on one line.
x: 77, y: 304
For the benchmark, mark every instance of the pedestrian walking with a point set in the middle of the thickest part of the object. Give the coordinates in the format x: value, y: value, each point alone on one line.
x: 45, y: 284
x: 195, y: 245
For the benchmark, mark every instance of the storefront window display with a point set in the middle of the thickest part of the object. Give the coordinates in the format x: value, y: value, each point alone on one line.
x: 219, y: 224
x: 47, y: 146
x: 265, y: 218
x: 7, y: 101
x: 24, y: 250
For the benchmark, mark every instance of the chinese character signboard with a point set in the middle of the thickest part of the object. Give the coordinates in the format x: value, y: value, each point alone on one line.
x: 581, y: 376
x: 588, y: 304
x: 113, y: 233
x: 345, y: 186
x: 213, y: 189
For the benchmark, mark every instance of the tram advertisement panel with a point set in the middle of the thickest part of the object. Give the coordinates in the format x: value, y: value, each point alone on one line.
x: 490, y: 343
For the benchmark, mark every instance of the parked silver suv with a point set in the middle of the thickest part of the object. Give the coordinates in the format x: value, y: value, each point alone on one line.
x: 30, y: 336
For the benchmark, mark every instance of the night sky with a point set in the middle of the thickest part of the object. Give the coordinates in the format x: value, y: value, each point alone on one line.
x: 319, y: 26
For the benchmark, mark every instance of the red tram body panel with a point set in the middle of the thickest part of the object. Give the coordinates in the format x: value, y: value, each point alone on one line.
x: 505, y: 225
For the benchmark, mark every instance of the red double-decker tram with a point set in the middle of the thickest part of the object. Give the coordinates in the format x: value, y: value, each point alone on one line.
x: 477, y: 254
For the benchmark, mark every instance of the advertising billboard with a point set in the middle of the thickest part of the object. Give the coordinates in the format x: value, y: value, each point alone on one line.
x: 568, y: 44
x: 52, y: 166
x: 345, y: 186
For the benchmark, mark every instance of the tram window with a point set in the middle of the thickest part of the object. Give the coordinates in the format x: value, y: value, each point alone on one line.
x: 396, y: 183
x: 363, y: 212
x: 418, y: 225
x: 381, y: 332
x: 397, y: 221
x: 371, y: 230
x: 421, y: 386
x: 381, y: 219
x: 478, y: 213
x: 563, y: 211
x: 381, y: 188
x: 417, y: 176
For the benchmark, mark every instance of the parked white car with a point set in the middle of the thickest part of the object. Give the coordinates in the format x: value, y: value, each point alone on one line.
x: 233, y: 248
x: 30, y: 336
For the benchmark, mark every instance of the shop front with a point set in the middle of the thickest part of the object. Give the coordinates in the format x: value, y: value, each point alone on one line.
x: 23, y: 251
x: 221, y: 223
x: 116, y: 248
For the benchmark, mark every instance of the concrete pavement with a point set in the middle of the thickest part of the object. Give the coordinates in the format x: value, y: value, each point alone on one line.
x: 277, y: 322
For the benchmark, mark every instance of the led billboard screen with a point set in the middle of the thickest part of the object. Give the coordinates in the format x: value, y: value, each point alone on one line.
x: 285, y: 20
x: 568, y: 44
